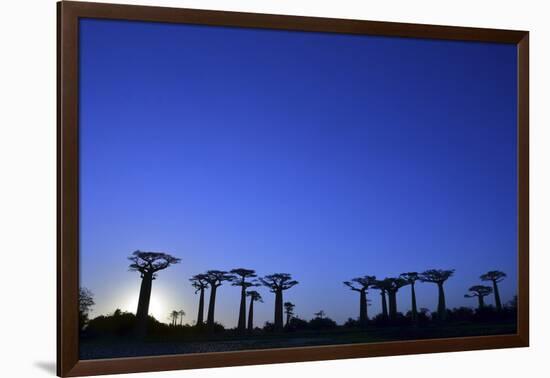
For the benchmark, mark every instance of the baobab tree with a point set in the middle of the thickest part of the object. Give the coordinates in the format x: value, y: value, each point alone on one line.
x: 289, y: 311
x: 200, y: 284
x: 438, y: 276
x: 181, y: 313
x: 240, y: 277
x: 174, y: 315
x: 254, y: 297
x: 382, y: 285
x: 410, y: 279
x: 393, y: 286
x: 277, y: 283
x: 214, y: 278
x: 148, y: 264
x: 479, y: 291
x: 361, y: 285
x: 85, y: 303
x: 495, y: 276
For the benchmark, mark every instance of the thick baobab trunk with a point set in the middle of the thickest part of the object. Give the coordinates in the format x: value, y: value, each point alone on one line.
x: 414, y: 311
x: 200, y: 315
x: 278, y: 310
x: 441, y: 307
x: 498, y: 305
x: 363, y: 317
x: 143, y: 304
x: 392, y: 297
x: 480, y: 302
x: 384, y: 305
x: 241, y: 325
x: 251, y: 315
x: 211, y: 307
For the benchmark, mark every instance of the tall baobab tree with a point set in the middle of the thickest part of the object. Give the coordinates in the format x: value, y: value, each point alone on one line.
x: 181, y: 313
x: 382, y: 285
x: 289, y: 311
x: 277, y: 283
x: 438, y: 276
x: 361, y: 285
x: 479, y: 291
x: 174, y: 315
x: 240, y: 279
x: 393, y: 286
x: 411, y: 278
x: 148, y: 264
x: 214, y: 278
x: 254, y: 297
x: 200, y: 284
x: 495, y: 276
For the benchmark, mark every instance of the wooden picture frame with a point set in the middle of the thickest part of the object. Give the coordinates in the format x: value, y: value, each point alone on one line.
x: 69, y: 13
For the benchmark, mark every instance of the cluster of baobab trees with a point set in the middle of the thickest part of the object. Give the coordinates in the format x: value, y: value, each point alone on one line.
x: 389, y: 287
x: 244, y: 279
x: 148, y: 264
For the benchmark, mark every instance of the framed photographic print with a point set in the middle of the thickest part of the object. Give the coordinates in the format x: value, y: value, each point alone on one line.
x: 241, y: 188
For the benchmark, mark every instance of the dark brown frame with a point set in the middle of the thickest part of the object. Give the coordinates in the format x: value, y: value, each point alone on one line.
x: 68, y: 363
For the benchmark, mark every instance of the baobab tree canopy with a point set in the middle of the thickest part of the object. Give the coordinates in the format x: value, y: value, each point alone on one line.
x: 479, y: 291
x: 493, y: 275
x: 151, y: 262
x: 199, y: 282
x: 254, y: 295
x: 436, y: 275
x: 215, y: 278
x: 410, y: 277
x: 278, y: 281
x: 361, y: 283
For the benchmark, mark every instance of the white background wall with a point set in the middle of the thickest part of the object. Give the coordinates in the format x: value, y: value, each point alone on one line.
x: 27, y: 185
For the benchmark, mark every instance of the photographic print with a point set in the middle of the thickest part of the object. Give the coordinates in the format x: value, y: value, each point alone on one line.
x: 252, y: 189
x: 293, y: 188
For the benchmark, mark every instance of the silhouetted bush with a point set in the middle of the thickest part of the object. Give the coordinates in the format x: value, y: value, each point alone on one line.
x: 322, y: 323
x: 296, y: 324
x: 269, y: 327
x: 352, y: 323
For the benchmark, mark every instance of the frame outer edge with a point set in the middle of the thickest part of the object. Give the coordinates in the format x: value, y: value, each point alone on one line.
x: 523, y: 188
x: 67, y: 191
x: 68, y: 364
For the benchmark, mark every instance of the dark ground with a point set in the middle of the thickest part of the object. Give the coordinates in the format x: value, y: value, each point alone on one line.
x: 111, y: 348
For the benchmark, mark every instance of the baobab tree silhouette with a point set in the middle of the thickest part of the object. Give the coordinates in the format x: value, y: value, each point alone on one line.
x: 438, y: 276
x: 410, y: 279
x: 174, y: 315
x: 240, y: 276
x: 495, y: 276
x: 383, y: 286
x: 289, y: 311
x: 199, y: 282
x: 277, y: 283
x: 148, y: 264
x: 361, y: 285
x: 479, y: 291
x: 215, y: 278
x: 254, y: 297
x: 393, y: 286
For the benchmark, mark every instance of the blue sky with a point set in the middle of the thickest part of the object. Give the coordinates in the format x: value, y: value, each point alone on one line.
x: 322, y: 155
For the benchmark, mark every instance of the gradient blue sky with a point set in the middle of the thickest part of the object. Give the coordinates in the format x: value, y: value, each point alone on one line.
x: 326, y: 156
